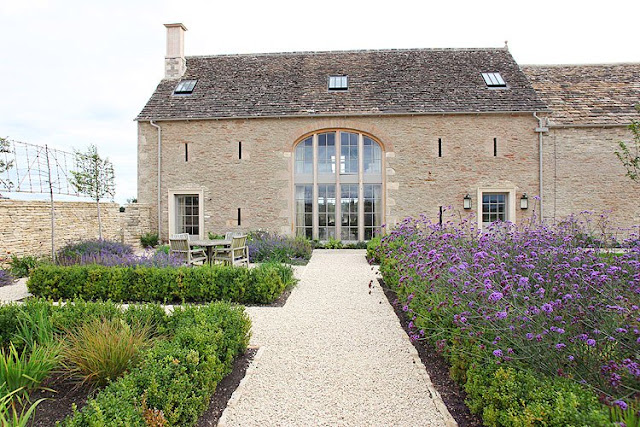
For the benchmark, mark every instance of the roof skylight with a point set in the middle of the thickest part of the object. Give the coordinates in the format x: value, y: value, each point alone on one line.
x: 338, y: 82
x: 493, y: 80
x: 185, y: 87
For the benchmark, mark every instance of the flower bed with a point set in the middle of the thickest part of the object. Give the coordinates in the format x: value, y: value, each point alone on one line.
x: 112, y: 254
x: 537, y: 326
x: 168, y: 383
x: 265, y: 246
x: 260, y: 285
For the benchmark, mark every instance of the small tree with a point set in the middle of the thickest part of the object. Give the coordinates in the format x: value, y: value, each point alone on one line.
x: 94, y: 178
x: 629, y: 155
x: 5, y: 147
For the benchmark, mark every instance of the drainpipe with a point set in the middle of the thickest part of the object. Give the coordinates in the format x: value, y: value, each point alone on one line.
x: 540, y: 129
x: 159, y: 173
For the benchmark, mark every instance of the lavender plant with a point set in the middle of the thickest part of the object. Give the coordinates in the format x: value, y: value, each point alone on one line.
x: 5, y: 278
x: 111, y: 254
x: 265, y: 246
x: 536, y: 297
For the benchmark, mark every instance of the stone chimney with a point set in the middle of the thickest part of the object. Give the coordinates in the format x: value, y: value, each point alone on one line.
x: 174, y: 63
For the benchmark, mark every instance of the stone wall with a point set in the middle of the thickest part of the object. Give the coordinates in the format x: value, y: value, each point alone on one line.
x: 416, y: 179
x: 582, y: 173
x: 25, y: 226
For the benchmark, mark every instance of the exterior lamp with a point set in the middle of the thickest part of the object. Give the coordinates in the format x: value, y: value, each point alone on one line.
x: 466, y: 202
x: 524, y: 201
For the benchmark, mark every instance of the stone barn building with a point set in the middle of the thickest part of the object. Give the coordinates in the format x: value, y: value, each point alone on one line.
x: 336, y: 144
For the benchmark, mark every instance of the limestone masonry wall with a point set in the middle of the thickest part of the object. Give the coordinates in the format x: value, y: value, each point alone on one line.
x: 582, y: 173
x: 416, y: 179
x: 25, y: 226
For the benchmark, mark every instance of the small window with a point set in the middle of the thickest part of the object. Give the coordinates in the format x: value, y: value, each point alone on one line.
x: 338, y: 82
x: 494, y: 208
x: 185, y: 87
x: 493, y: 80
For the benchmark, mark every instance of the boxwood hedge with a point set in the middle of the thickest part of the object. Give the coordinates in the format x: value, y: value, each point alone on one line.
x: 260, y: 285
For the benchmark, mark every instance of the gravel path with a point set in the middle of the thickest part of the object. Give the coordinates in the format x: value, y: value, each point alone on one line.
x: 335, y: 354
x: 14, y: 292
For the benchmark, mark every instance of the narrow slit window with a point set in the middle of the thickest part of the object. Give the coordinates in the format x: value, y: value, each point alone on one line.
x: 439, y: 147
x: 495, y: 147
x: 240, y: 150
x: 494, y: 80
x: 186, y: 151
x: 338, y: 82
x: 185, y: 87
x: 239, y: 216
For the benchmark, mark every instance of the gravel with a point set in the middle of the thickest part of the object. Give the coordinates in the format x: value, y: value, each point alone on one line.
x: 335, y: 354
x: 14, y: 292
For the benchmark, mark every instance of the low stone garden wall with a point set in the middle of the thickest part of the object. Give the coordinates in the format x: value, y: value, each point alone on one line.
x: 25, y: 226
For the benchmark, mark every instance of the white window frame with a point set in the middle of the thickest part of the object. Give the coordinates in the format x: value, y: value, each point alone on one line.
x: 511, y: 205
x: 172, y: 193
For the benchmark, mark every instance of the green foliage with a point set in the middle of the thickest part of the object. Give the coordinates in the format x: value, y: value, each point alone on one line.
x: 5, y: 147
x: 373, y: 250
x: 102, y: 350
x: 510, y: 397
x: 24, y: 371
x: 333, y: 244
x: 9, y: 416
x: 34, y: 327
x: 94, y: 178
x: 213, y: 236
x: 149, y: 240
x: 163, y: 248
x: 629, y: 417
x: 22, y: 266
x: 629, y: 154
x: 176, y: 376
x: 153, y: 284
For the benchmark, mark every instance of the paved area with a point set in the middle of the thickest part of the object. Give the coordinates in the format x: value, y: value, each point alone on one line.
x: 335, y: 354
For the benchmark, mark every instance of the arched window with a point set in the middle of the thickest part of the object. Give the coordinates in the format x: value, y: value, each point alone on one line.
x: 338, y: 186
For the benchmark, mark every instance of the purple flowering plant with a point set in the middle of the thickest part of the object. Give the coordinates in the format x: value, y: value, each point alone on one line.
x: 5, y: 278
x: 112, y: 254
x: 544, y: 295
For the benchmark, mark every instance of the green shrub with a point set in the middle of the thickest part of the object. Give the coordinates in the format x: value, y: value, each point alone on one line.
x: 373, y: 250
x: 510, y: 397
x: 154, y: 284
x: 163, y: 249
x: 21, y: 267
x: 8, y: 322
x: 176, y: 376
x: 149, y: 240
x: 102, y: 350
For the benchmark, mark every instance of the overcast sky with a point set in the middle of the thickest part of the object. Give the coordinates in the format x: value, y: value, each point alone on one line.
x: 77, y: 72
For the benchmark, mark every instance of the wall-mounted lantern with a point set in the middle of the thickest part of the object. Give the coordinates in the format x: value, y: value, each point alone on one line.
x: 524, y: 201
x: 466, y: 202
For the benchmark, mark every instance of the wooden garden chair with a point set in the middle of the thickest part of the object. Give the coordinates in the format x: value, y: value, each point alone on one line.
x: 179, y: 245
x: 236, y: 254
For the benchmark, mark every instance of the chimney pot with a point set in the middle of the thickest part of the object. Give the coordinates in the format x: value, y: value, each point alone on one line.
x: 175, y: 63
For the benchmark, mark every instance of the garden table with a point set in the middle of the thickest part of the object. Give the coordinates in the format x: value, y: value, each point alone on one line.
x: 210, y: 245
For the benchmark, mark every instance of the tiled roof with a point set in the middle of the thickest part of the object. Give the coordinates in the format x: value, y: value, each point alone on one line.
x: 380, y: 82
x: 588, y: 94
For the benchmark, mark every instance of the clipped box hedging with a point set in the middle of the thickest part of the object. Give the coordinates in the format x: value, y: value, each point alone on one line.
x: 260, y: 285
x: 176, y: 378
x: 194, y: 349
